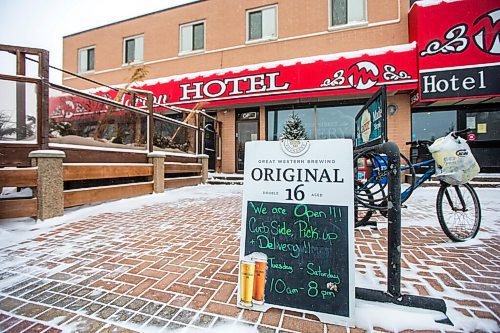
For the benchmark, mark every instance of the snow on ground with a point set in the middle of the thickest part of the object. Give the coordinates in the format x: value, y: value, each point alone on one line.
x: 420, y: 212
x: 15, y: 231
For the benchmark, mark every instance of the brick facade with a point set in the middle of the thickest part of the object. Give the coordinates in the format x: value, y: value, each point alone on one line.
x: 303, y: 30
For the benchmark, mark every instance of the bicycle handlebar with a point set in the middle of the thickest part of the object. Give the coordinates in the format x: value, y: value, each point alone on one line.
x: 462, y: 133
x: 455, y: 134
x: 419, y: 142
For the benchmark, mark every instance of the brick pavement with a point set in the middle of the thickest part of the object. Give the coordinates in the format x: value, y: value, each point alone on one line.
x: 170, y: 266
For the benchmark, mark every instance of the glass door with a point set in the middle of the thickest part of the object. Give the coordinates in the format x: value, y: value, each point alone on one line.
x: 247, y: 128
x: 485, y: 138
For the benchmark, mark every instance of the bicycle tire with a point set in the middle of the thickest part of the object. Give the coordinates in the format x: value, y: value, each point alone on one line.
x: 361, y: 220
x: 458, y: 224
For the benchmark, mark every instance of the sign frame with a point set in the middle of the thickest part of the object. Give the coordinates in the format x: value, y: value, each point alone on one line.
x: 381, y: 95
x: 269, y: 154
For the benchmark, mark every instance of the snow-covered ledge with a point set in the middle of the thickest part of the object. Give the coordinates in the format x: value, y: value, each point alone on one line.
x: 47, y: 154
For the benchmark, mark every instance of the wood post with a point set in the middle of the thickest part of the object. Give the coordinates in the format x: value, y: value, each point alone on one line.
x: 158, y: 161
x: 50, y: 185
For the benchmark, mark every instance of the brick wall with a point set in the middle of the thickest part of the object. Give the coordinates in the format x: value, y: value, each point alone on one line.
x: 399, y: 125
x: 228, y: 139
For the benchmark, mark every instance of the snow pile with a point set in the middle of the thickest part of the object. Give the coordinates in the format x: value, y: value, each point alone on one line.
x: 11, y: 193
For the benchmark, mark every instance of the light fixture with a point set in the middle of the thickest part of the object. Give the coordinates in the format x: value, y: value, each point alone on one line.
x: 392, y: 109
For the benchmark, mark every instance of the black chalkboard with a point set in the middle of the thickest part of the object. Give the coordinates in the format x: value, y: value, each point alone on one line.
x: 308, y: 254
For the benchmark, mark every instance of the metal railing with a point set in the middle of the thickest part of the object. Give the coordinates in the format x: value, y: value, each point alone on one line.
x: 64, y: 115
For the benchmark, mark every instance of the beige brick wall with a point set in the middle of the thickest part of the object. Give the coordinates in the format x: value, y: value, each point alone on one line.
x: 262, y: 123
x: 399, y: 125
x: 228, y: 140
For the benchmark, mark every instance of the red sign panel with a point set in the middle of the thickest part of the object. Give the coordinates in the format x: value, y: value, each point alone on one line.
x: 458, y: 45
x: 361, y: 72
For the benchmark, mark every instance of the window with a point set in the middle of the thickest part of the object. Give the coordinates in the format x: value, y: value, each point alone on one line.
x: 192, y: 37
x: 262, y: 24
x: 320, y: 121
x: 86, y: 59
x: 432, y: 125
x: 133, y: 49
x: 344, y: 12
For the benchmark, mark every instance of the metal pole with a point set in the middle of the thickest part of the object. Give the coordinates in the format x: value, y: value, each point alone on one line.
x: 394, y: 219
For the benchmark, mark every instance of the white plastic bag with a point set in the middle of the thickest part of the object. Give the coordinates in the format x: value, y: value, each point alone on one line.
x: 455, y: 163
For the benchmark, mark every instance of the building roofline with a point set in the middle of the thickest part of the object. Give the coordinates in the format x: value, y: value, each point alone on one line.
x: 133, y: 18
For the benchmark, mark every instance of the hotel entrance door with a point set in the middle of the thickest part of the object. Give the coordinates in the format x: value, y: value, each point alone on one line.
x: 247, y: 128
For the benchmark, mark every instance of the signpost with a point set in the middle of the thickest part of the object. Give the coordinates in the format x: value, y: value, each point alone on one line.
x: 297, y: 235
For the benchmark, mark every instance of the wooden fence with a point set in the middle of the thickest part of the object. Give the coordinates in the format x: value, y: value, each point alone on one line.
x: 121, y: 181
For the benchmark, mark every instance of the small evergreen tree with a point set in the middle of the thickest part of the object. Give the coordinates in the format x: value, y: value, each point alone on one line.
x: 293, y: 129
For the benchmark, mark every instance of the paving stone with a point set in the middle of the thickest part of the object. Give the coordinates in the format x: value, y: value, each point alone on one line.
x: 65, y: 301
x: 106, y: 312
x: 185, y: 316
x: 85, y: 324
x: 136, y: 304
x: 6, y: 324
x: 108, y: 298
x: 78, y: 304
x: 17, y: 286
x: 22, y: 326
x: 156, y: 324
x: 30, y: 310
x: 8, y: 304
x: 51, y: 314
x: 139, y: 319
x: 151, y: 308
x: 168, y: 312
x: 121, y: 315
x: 54, y: 298
x: 81, y: 292
x: 203, y: 320
x: 265, y: 329
x: 175, y: 326
x: 122, y: 301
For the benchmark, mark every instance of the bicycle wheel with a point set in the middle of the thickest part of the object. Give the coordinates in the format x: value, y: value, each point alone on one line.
x: 459, y: 211
x: 362, y: 214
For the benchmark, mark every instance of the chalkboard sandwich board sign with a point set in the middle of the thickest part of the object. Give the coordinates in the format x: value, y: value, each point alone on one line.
x: 297, y: 233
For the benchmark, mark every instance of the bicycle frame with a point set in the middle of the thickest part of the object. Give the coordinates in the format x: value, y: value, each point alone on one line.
x: 426, y: 176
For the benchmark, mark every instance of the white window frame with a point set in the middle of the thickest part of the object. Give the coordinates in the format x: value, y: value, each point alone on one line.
x: 85, y: 50
x: 135, y: 53
x: 348, y: 25
x: 264, y: 38
x: 192, y: 24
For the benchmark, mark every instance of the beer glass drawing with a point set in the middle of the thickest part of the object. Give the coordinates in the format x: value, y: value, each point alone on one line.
x: 247, y: 271
x: 259, y: 284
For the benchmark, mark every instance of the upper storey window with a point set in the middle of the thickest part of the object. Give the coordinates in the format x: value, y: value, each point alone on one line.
x: 192, y: 37
x: 86, y: 59
x: 133, y: 49
x: 347, y: 12
x: 262, y: 24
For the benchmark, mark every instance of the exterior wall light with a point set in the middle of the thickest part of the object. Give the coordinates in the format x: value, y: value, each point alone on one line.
x: 392, y: 109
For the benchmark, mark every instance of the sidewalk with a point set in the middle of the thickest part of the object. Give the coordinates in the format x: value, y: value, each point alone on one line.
x: 174, y: 265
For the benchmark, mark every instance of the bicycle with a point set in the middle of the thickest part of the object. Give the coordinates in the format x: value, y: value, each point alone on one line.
x: 457, y: 206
